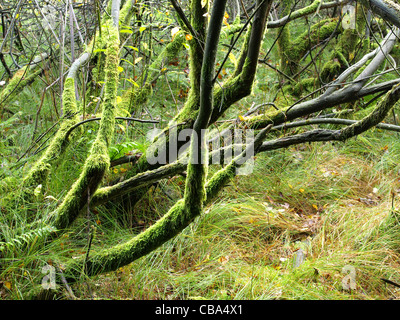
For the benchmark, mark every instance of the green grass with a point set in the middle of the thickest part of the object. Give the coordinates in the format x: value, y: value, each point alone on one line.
x: 331, y: 202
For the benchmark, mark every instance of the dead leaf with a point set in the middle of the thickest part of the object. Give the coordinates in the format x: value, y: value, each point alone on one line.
x: 223, y: 259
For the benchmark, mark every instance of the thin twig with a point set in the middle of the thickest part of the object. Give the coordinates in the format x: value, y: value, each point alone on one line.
x: 117, y: 118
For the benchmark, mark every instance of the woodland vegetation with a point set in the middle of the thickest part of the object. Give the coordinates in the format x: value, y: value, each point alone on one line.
x: 96, y: 98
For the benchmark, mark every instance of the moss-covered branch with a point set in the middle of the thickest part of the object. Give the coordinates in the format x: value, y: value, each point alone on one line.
x: 358, y: 127
x: 39, y: 172
x: 135, y: 183
x: 21, y: 79
x: 171, y: 224
x: 98, y: 161
x: 305, y: 11
x: 292, y: 51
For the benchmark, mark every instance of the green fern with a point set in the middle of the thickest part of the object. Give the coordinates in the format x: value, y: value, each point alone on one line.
x: 26, y: 238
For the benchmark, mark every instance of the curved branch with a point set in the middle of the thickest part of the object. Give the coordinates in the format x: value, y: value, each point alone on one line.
x: 387, y: 9
x: 98, y: 160
x: 314, y: 7
x: 98, y: 118
x: 358, y: 127
x: 383, y: 126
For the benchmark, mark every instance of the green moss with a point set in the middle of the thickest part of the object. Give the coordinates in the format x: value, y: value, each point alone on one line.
x: 199, y: 24
x: 284, y: 40
x: 98, y: 161
x: 372, y: 119
x: 41, y: 169
x: 330, y: 70
x: 21, y: 79
x: 304, y: 85
x: 69, y: 97
x: 127, y: 12
x: 169, y: 53
x: 135, y: 97
x: 195, y: 193
x: 107, y: 123
x: 345, y: 49
x: 292, y: 51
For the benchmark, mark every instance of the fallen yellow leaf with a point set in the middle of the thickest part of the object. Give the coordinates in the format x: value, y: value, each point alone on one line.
x: 7, y: 284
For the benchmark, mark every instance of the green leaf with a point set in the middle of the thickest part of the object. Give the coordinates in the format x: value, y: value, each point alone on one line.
x: 126, y: 31
x: 133, y: 48
x: 128, y: 62
x: 133, y: 82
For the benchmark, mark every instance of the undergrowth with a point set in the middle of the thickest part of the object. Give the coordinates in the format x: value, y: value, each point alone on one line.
x: 290, y: 230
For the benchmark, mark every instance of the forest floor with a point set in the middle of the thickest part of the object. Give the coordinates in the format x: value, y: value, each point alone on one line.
x: 317, y: 221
